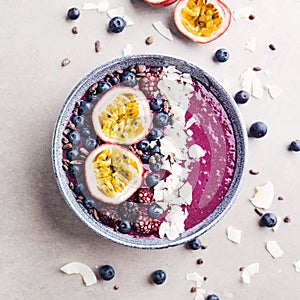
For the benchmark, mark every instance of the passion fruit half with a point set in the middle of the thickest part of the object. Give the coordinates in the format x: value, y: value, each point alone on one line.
x: 160, y: 2
x: 122, y: 116
x: 202, y: 21
x: 113, y: 173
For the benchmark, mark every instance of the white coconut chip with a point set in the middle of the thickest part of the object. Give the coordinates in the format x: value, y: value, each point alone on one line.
x: 195, y: 277
x: 163, y: 30
x: 167, y: 146
x: 89, y: 6
x: 196, y: 151
x: 274, y: 91
x: 297, y: 266
x: 249, y: 271
x: 263, y: 196
x: 200, y: 294
x: 257, y: 88
x: 185, y: 193
x: 127, y: 50
x: 87, y: 274
x: 242, y: 13
x: 128, y: 20
x: 246, y: 80
x: 267, y: 72
x: 189, y: 132
x: 234, y: 234
x: 276, y: 227
x: 116, y: 12
x: 251, y: 44
x: 274, y: 249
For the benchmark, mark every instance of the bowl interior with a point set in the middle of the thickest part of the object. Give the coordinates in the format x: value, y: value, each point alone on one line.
x: 210, y: 84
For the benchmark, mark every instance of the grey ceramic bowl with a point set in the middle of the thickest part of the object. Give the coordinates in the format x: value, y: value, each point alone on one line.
x: 211, y: 84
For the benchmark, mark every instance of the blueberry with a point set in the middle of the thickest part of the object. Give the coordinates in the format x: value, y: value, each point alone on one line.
x: 145, y: 158
x: 85, y: 108
x: 79, y: 188
x: 74, y: 138
x: 90, y: 144
x: 89, y: 203
x: 194, y: 244
x: 152, y: 180
x: 161, y: 119
x: 241, y: 97
x: 103, y: 87
x: 124, y: 226
x: 155, y: 167
x: 114, y: 80
x: 73, y: 13
x: 258, y: 129
x: 155, y: 134
x: 295, y: 146
x: 154, y: 211
x: 117, y: 24
x: 106, y: 272
x: 90, y: 97
x: 155, y: 149
x: 156, y: 104
x: 222, y: 55
x: 158, y: 277
x: 143, y: 145
x: 128, y: 78
x: 268, y: 220
x: 78, y: 121
x: 75, y: 171
x: 85, y: 132
x: 212, y: 297
x: 72, y: 154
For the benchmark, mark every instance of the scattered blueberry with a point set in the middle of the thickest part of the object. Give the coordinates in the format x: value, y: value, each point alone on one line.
x: 124, y: 226
x: 78, y: 121
x: 161, y: 119
x: 155, y: 167
x: 154, y: 211
x: 74, y: 138
x: 258, y: 129
x: 103, y: 87
x: 85, y: 107
x: 89, y: 203
x: 72, y: 154
x: 268, y: 220
x: 106, y: 272
x: 155, y: 134
x: 154, y: 150
x: 117, y: 24
x: 143, y: 145
x: 158, y: 277
x: 128, y: 78
x: 295, y: 146
x: 85, y: 132
x: 212, y: 297
x: 90, y: 144
x: 156, y: 104
x: 75, y: 171
x: 79, y: 188
x: 194, y: 244
x: 90, y: 97
x: 241, y: 97
x: 114, y: 80
x: 152, y: 180
x: 73, y: 13
x: 222, y: 55
x: 145, y: 158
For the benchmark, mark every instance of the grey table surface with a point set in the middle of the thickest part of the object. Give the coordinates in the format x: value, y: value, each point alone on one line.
x: 38, y: 234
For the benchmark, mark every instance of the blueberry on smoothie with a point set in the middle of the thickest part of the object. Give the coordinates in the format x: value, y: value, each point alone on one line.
x: 74, y: 138
x: 156, y: 104
x: 103, y: 87
x: 75, y: 171
x: 79, y: 188
x: 124, y: 226
x: 89, y: 203
x: 145, y: 158
x: 161, y: 119
x: 106, y: 272
x: 90, y: 144
x: 154, y: 211
x: 152, y: 180
x: 158, y: 277
x: 155, y: 134
x: 78, y: 121
x: 155, y: 167
x: 144, y: 145
x: 72, y: 154
x: 85, y: 132
x: 258, y: 130
x: 85, y: 108
x: 155, y: 149
x: 128, y: 78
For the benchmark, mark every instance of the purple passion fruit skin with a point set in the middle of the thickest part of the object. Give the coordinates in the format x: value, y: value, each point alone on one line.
x: 210, y: 177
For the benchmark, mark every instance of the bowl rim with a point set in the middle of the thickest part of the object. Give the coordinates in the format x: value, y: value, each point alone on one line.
x: 214, y: 87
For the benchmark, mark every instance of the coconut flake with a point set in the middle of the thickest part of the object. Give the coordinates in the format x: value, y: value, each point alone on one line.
x: 128, y: 20
x: 234, y: 234
x: 116, y: 12
x: 242, y: 13
x: 167, y: 147
x: 297, y: 265
x: 194, y: 277
x: 276, y: 227
x: 127, y: 50
x: 251, y: 44
x: 249, y: 271
x: 274, y: 249
x: 246, y: 80
x: 89, y: 6
x: 87, y: 274
x: 163, y: 30
x: 274, y: 91
x: 103, y: 6
x: 200, y: 294
x: 196, y: 151
x: 186, y: 193
x: 263, y: 196
x: 257, y: 88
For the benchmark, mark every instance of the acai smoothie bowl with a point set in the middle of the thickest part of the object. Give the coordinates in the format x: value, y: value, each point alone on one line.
x: 149, y: 151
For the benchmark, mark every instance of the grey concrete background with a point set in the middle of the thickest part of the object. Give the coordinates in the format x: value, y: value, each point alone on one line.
x: 38, y: 234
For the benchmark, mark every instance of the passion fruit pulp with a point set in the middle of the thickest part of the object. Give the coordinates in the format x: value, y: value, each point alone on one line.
x: 122, y: 116
x: 113, y: 173
x: 202, y: 21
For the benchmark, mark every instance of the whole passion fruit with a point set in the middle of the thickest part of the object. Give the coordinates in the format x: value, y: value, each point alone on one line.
x: 160, y: 2
x: 113, y: 173
x: 202, y: 21
x: 122, y: 116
